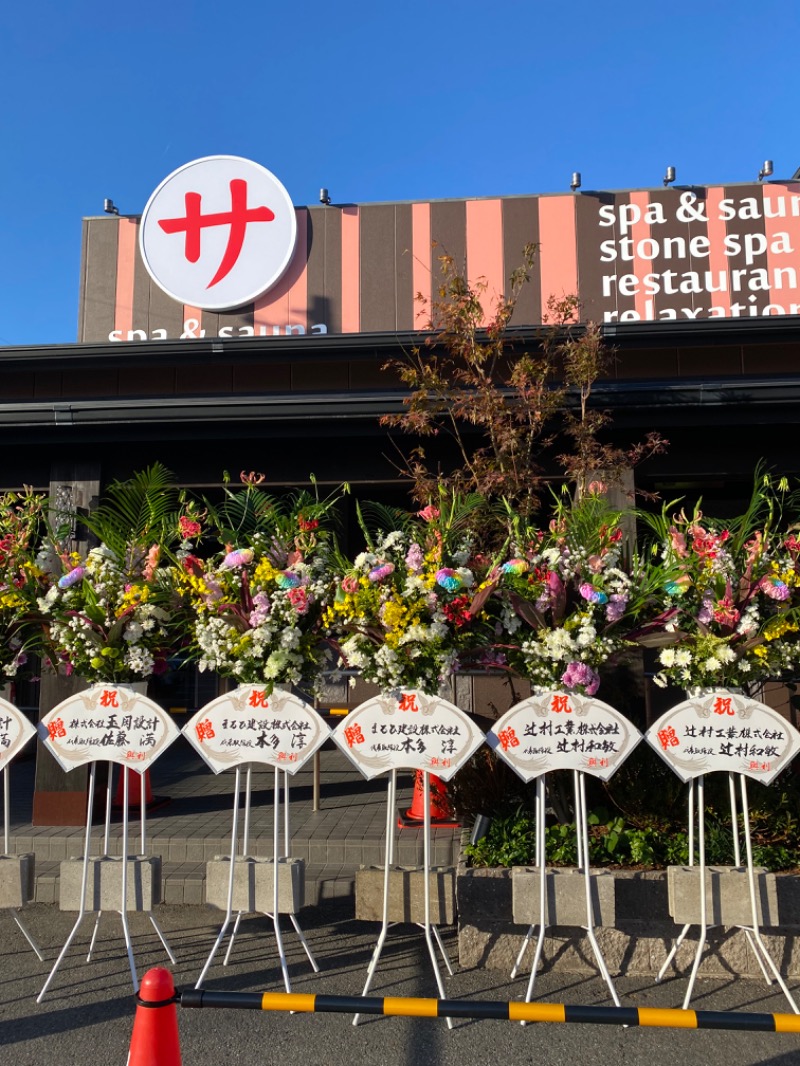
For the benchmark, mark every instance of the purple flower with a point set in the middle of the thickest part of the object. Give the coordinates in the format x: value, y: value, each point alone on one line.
x: 239, y: 557
x: 72, y: 578
x: 378, y: 573
x: 616, y: 607
x: 579, y: 675
x: 593, y: 595
x: 706, y: 612
x: 261, y: 609
x: 415, y: 557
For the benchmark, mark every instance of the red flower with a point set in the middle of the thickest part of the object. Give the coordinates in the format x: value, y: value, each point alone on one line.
x: 188, y: 527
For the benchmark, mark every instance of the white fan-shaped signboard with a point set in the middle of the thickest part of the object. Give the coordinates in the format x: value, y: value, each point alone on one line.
x: 408, y: 731
x: 563, y: 731
x: 723, y: 730
x: 15, y: 732
x: 249, y: 726
x: 108, y: 723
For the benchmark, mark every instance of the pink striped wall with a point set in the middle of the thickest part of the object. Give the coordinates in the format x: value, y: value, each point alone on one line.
x: 558, y: 248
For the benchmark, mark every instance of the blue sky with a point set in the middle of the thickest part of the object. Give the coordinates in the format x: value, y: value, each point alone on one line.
x: 375, y: 101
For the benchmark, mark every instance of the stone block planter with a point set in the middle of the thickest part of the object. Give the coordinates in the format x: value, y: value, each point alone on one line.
x: 565, y: 896
x: 254, y: 884
x: 637, y: 943
x: 17, y: 880
x: 104, y: 883
x: 406, y: 894
x: 727, y: 895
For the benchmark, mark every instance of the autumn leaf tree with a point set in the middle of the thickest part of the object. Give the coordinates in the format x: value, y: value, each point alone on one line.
x: 508, y: 410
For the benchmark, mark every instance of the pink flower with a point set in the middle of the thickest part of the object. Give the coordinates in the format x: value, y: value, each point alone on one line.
x: 429, y: 513
x: 415, y: 558
x: 239, y: 557
x: 772, y: 587
x: 378, y: 573
x: 580, y: 675
x: 350, y: 585
x: 149, y: 570
x: 261, y: 609
x: 725, y: 613
x: 298, y: 598
x: 678, y: 541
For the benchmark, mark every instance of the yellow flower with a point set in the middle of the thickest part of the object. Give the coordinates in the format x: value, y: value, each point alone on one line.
x: 264, y: 572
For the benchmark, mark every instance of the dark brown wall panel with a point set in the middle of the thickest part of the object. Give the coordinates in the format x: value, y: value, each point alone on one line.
x: 100, y: 279
x: 739, y: 262
x: 266, y: 377
x: 317, y: 377
x: 325, y: 267
x: 203, y: 380
x: 521, y: 227
x: 152, y: 381
x: 449, y: 234
x: 710, y: 362
x: 378, y: 268
x: 406, y: 304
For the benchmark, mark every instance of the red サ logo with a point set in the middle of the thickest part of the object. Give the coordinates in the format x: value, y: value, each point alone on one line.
x: 218, y: 232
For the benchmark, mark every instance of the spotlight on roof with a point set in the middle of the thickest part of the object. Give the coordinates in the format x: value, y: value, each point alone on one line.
x: 324, y: 196
x: 576, y: 181
x: 669, y: 177
x: 766, y: 170
x: 109, y: 208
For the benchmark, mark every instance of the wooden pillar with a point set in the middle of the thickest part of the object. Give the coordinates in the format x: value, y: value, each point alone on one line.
x: 59, y: 798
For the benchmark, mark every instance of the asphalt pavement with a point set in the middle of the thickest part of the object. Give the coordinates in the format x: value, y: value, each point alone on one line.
x: 87, y: 1014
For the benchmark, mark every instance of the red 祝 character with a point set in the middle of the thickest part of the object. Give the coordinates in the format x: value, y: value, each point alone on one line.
x: 508, y: 738
x: 668, y: 738
x: 109, y: 698
x: 204, y: 730
x: 561, y: 703
x: 258, y: 698
x: 722, y: 705
x: 408, y: 702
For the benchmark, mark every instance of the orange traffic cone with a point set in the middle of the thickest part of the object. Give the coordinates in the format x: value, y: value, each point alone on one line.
x: 154, y: 1041
x: 440, y: 810
x: 134, y: 789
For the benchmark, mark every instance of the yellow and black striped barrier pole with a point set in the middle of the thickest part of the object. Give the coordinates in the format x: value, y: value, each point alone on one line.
x: 409, y: 1007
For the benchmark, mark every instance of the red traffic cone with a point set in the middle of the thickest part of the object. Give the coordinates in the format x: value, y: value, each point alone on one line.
x: 155, y: 1028
x: 440, y: 809
x: 134, y: 789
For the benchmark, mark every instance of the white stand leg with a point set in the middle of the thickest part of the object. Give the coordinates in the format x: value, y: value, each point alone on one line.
x: 231, y: 874
x: 7, y: 843
x: 84, y: 878
x: 26, y: 934
x: 431, y: 932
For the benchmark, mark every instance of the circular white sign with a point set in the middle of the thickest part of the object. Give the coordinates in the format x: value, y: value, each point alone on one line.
x: 218, y: 232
